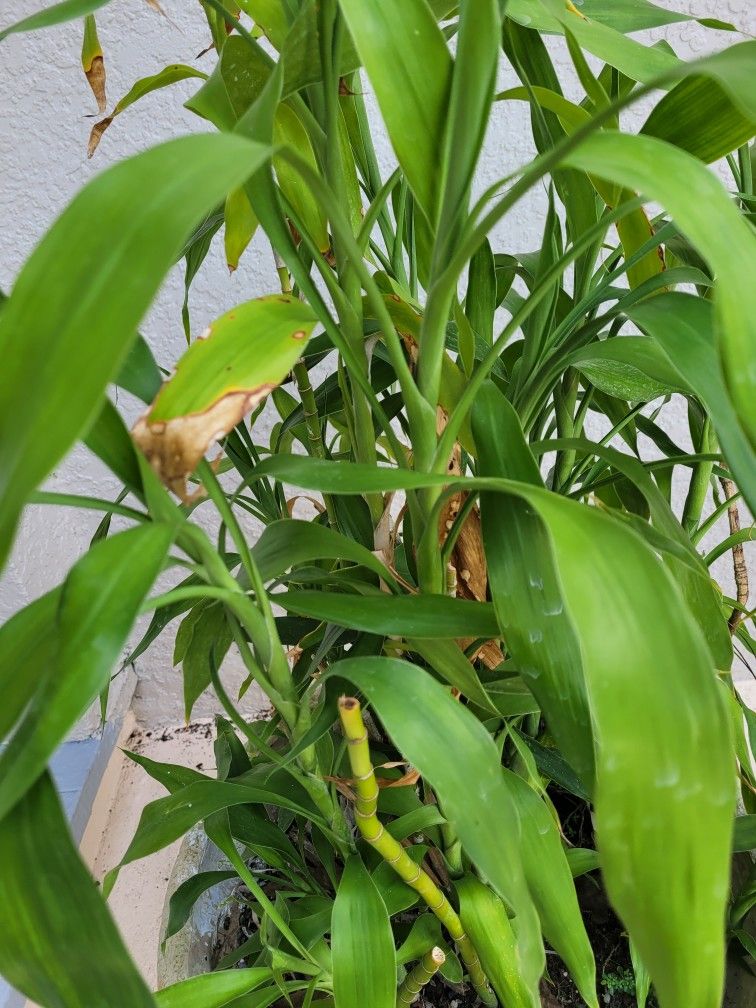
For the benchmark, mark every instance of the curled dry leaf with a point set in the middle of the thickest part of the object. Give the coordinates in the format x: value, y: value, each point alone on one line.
x: 96, y: 77
x: 223, y: 375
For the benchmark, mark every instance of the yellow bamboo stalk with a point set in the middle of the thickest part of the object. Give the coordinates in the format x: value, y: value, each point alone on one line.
x: 422, y: 974
x: 373, y: 831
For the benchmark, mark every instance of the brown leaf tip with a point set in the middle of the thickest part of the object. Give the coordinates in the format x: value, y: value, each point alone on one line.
x: 175, y: 447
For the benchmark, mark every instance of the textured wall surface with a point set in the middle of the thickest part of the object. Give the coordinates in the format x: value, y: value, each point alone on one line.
x: 45, y: 118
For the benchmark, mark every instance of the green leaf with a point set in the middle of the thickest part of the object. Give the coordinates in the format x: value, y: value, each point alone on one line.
x: 186, y: 895
x: 231, y: 758
x: 484, y: 918
x: 581, y: 860
x: 223, y: 375
x: 552, y: 765
x: 481, y: 296
x: 447, y: 658
x: 77, y: 960
x: 469, y: 104
x: 67, y: 10
x: 690, y: 572
x: 262, y: 836
x: 99, y: 601
x: 211, y: 639
x: 109, y: 439
x: 663, y: 748
x: 685, y: 328
x: 167, y: 76
x: 631, y: 368
x: 289, y: 542
x: 703, y: 211
x: 289, y: 131
x: 525, y: 585
x: 747, y: 941
x: 172, y: 776
x: 642, y: 978
x: 139, y: 210
x: 744, y: 835
x: 212, y: 102
x: 700, y: 117
x: 341, y: 477
x: 410, y: 68
x: 471, y: 788
x: 139, y: 373
x: 605, y: 39
x: 550, y: 882
x: 622, y: 15
x: 433, y: 616
x: 213, y: 990
x: 270, y: 17
x: 362, y: 945
x: 423, y: 935
x: 28, y: 645
x: 241, y: 225
x: 167, y: 819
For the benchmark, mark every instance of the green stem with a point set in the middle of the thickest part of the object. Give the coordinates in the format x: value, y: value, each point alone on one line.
x: 565, y: 399
x: 699, y: 482
x: 307, y: 396
x: 275, y: 659
x: 373, y: 831
x: 421, y: 975
x: 541, y: 289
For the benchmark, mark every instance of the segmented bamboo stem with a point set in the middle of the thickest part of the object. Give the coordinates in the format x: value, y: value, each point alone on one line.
x: 373, y: 831
x: 422, y: 974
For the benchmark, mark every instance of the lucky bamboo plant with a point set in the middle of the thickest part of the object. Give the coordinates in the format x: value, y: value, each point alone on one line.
x: 494, y: 601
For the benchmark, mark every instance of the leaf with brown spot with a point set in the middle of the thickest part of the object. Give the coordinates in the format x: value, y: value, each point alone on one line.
x: 167, y: 76
x: 223, y: 375
x: 93, y: 62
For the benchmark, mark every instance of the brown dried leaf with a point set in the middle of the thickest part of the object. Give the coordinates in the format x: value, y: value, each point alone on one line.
x: 96, y: 135
x: 292, y: 501
x: 175, y: 447
x: 96, y: 77
x: 468, y: 558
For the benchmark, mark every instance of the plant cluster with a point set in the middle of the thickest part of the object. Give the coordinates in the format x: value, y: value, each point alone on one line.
x: 491, y: 606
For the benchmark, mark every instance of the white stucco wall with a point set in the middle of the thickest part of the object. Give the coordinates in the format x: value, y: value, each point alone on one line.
x: 44, y: 108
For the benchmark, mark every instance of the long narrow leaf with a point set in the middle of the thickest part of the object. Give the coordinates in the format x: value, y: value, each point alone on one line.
x: 59, y: 351
x: 77, y: 959
x: 702, y: 209
x: 99, y: 601
x: 362, y: 945
x: 409, y: 66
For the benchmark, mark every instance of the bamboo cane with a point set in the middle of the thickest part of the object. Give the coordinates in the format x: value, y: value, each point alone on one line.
x: 422, y: 974
x: 373, y: 831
